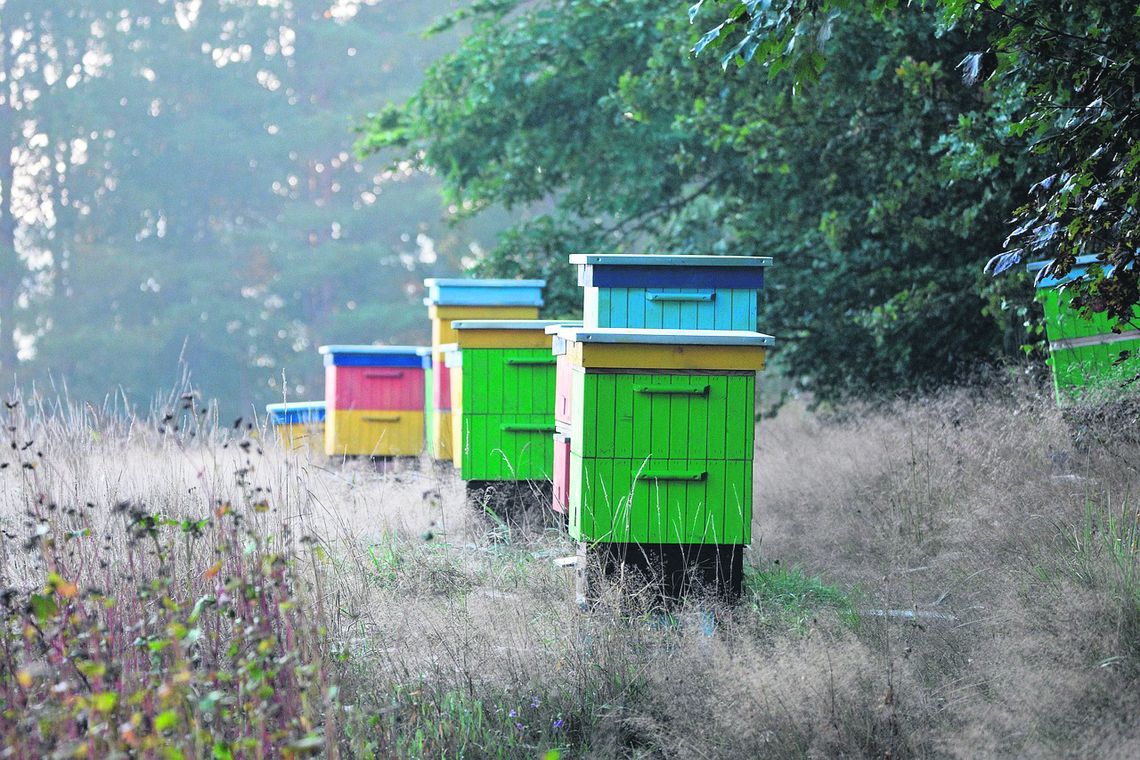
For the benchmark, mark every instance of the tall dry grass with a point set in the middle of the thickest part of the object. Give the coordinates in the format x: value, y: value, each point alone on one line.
x: 950, y: 577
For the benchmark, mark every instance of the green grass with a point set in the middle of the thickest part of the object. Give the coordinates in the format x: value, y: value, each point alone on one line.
x: 790, y: 598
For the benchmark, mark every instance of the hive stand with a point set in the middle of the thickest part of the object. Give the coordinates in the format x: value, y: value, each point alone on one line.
x: 456, y: 299
x: 374, y: 397
x: 299, y: 424
x: 1083, y: 353
x: 662, y: 452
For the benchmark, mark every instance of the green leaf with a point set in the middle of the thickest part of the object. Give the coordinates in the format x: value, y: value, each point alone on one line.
x: 43, y: 607
x: 165, y: 721
x: 105, y: 701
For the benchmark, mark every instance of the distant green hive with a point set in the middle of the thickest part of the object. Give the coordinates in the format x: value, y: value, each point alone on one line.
x: 1084, y: 353
x: 502, y: 399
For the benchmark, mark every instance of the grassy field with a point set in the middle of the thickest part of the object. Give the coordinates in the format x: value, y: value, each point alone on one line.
x: 949, y: 577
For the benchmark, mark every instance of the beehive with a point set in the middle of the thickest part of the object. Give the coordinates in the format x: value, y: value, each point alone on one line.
x: 458, y: 299
x: 1083, y: 353
x: 504, y: 388
x: 671, y: 292
x: 658, y: 292
x: 663, y: 425
x: 298, y: 423
x: 374, y: 398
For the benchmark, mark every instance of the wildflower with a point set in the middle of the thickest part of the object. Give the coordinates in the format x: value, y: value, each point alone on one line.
x: 557, y: 724
x: 534, y: 703
x: 513, y: 713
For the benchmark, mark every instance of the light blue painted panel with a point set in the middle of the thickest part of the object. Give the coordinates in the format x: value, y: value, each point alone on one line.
x: 484, y: 296
x: 672, y: 309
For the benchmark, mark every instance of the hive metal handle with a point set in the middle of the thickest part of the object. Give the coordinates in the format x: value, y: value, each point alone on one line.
x: 384, y: 373
x: 679, y: 390
x: 694, y: 475
x: 395, y: 418
x: 538, y: 427
x: 532, y: 362
x: 707, y: 295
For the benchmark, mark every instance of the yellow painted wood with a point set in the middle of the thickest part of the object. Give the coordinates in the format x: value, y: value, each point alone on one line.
x: 441, y: 316
x: 482, y: 312
x: 503, y: 339
x: 457, y: 415
x: 379, y: 433
x: 441, y: 434
x: 300, y: 435
x: 641, y: 356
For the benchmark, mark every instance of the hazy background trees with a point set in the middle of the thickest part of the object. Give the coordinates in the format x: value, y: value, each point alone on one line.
x: 177, y: 180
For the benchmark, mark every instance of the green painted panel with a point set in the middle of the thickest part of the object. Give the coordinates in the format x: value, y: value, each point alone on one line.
x: 602, y: 507
x: 1089, y: 369
x: 508, y: 381
x: 737, y: 504
x: 662, y: 458
x: 516, y: 447
x: 717, y: 410
x: 1062, y: 321
x: 605, y: 418
x: 623, y: 528
x: 738, y: 418
x: 713, y: 509
x: 640, y: 408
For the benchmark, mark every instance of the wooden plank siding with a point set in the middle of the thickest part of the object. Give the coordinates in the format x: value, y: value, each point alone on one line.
x: 672, y: 309
x: 507, y: 419
x: 1084, y: 367
x: 374, y: 432
x: 661, y: 458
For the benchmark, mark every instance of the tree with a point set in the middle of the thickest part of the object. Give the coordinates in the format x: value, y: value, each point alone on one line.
x: 1061, y: 80
x: 595, y: 119
x: 47, y: 57
x: 211, y: 209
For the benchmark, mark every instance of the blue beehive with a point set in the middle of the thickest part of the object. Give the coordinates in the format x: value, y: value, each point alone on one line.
x: 671, y: 292
x: 298, y: 422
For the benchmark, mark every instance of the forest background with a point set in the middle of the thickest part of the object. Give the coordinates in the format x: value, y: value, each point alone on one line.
x: 186, y: 194
x: 187, y: 186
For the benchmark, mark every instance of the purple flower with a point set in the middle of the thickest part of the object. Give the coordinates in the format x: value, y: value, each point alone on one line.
x: 557, y: 724
x: 519, y: 726
x: 534, y: 702
x: 513, y: 713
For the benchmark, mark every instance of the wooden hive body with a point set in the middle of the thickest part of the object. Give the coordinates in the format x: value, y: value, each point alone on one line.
x: 1083, y: 353
x: 456, y: 299
x: 298, y: 424
x: 503, y: 400
x: 374, y: 400
x: 661, y: 451
x: 671, y: 292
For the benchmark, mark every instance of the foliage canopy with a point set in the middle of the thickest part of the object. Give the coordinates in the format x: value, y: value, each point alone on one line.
x: 875, y: 180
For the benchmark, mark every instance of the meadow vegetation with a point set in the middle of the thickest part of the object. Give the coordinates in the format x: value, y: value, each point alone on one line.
x: 950, y: 576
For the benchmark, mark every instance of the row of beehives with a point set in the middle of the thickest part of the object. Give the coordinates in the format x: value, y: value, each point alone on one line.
x: 641, y: 415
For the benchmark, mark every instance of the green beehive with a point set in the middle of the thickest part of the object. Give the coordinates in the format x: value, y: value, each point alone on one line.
x: 662, y: 454
x: 665, y: 449
x: 1083, y: 353
x: 503, y: 394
